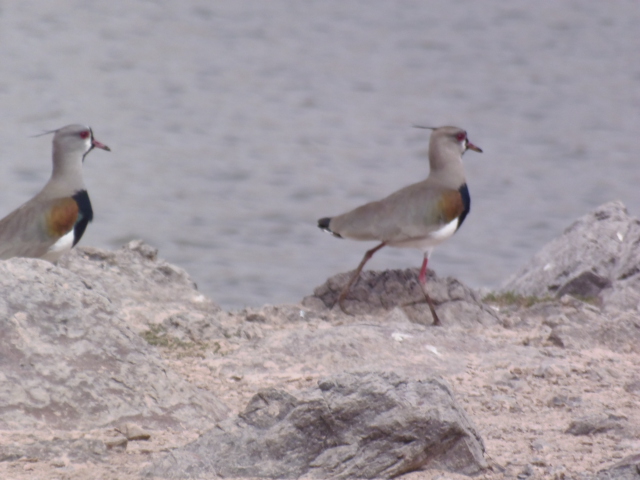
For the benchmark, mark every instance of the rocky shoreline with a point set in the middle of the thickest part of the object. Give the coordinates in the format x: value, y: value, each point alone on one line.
x: 115, y: 366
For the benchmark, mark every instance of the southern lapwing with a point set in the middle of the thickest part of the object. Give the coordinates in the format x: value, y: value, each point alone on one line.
x: 53, y: 221
x: 421, y: 216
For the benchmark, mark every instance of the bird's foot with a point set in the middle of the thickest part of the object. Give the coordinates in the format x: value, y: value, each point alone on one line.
x: 436, y: 319
x: 341, y: 300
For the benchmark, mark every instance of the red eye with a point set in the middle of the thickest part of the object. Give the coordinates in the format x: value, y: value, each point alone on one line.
x: 461, y: 136
x: 84, y: 134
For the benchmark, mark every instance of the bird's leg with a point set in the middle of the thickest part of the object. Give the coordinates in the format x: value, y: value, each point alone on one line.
x: 354, y: 277
x: 422, y: 278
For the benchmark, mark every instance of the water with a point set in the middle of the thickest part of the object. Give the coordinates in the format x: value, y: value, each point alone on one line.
x: 235, y: 124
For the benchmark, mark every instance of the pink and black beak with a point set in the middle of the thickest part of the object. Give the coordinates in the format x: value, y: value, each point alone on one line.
x: 471, y: 146
x: 97, y: 144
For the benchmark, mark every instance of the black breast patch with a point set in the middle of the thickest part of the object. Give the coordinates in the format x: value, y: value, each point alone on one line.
x: 466, y: 201
x: 85, y: 215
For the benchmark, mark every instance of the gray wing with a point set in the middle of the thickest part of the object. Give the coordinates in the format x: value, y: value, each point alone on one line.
x: 412, y: 212
x: 33, y: 228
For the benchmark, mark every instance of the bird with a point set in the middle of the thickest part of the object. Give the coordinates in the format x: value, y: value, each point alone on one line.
x: 52, y: 222
x: 421, y: 215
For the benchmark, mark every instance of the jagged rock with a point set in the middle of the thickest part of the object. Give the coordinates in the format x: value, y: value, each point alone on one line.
x: 71, y: 361
x: 77, y: 450
x: 367, y: 425
x: 114, y: 439
x: 375, y: 292
x: 576, y: 325
x: 633, y: 387
x: 146, y: 290
x: 595, y: 424
x: 133, y: 432
x: 597, y: 256
x: 70, y: 334
x: 585, y: 285
x: 626, y: 469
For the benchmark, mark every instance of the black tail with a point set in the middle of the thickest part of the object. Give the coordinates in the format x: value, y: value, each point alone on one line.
x: 323, y: 224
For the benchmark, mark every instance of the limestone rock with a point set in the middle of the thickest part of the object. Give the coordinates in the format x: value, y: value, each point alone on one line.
x: 71, y: 361
x: 597, y: 256
x: 595, y: 424
x: 133, y: 432
x: 58, y: 450
x: 626, y: 469
x: 376, y: 292
x: 144, y: 289
x: 366, y: 425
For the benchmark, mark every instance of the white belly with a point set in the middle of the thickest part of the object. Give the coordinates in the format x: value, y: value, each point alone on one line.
x: 62, y: 246
x: 425, y: 244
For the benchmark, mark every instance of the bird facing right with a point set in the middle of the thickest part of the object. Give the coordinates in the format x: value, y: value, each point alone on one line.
x: 52, y: 222
x: 421, y: 215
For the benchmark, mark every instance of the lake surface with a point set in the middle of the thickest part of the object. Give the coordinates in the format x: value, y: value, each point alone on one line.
x: 235, y: 125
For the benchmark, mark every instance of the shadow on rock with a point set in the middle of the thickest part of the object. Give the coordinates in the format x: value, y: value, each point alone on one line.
x: 375, y: 292
x: 367, y: 425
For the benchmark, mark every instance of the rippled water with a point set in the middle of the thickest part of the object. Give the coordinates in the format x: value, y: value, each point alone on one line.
x: 236, y: 124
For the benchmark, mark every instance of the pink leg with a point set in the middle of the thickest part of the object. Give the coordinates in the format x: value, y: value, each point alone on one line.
x: 422, y: 278
x: 423, y: 271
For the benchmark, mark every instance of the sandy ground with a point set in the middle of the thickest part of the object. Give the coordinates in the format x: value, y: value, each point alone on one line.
x: 524, y: 391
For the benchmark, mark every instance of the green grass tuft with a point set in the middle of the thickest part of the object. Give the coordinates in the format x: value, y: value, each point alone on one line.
x: 158, y: 337
x: 508, y: 299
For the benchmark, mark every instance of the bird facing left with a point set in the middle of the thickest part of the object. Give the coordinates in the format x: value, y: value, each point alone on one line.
x: 52, y: 222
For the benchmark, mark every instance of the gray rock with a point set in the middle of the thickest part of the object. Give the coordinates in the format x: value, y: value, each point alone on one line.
x: 75, y: 450
x: 633, y: 387
x: 133, y: 432
x: 596, y: 424
x: 591, y: 244
x: 588, y: 327
x: 71, y: 361
x: 375, y: 292
x: 572, y: 324
x: 565, y: 401
x: 585, y: 285
x: 597, y: 256
x: 146, y: 290
x: 626, y: 469
x: 364, y: 425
